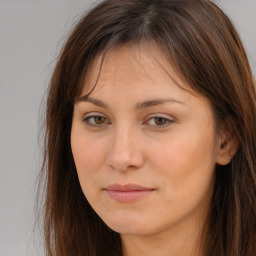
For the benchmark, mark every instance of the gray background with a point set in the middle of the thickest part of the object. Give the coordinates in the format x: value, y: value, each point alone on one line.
x: 31, y: 33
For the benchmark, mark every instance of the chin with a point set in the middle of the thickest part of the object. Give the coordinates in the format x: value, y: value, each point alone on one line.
x: 132, y: 226
x: 130, y: 230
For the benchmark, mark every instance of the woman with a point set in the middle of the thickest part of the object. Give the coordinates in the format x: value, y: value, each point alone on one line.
x: 151, y: 135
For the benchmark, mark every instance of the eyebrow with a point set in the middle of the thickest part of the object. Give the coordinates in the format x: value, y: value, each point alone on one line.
x: 156, y: 102
x: 142, y: 105
x: 96, y: 102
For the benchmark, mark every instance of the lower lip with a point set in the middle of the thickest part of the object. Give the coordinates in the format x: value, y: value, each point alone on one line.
x: 128, y: 196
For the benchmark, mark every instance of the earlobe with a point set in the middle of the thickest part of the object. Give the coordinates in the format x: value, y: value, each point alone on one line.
x: 227, y: 148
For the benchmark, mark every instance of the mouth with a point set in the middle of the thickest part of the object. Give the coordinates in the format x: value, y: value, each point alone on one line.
x: 127, y: 193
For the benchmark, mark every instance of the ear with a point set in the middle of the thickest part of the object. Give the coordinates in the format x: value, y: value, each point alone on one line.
x: 227, y: 146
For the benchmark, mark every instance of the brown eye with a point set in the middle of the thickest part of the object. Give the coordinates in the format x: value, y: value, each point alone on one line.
x: 99, y: 119
x: 96, y: 120
x: 160, y: 120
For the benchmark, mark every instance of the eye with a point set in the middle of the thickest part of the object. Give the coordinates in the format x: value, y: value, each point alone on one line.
x: 159, y: 121
x: 96, y: 120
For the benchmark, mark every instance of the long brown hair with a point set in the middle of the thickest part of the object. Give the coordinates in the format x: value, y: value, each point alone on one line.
x: 202, y: 44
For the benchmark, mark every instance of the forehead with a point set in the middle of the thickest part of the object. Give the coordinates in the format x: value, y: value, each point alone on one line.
x: 131, y: 62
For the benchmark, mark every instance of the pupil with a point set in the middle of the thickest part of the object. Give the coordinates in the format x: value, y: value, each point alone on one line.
x: 99, y: 119
x: 160, y: 120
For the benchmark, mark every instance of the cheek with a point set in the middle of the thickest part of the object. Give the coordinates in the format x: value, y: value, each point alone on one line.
x: 185, y: 161
x: 87, y: 151
x: 185, y: 172
x: 88, y: 156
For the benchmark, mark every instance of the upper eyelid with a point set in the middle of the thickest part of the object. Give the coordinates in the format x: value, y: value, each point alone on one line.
x: 162, y: 115
x: 91, y: 114
x: 157, y: 114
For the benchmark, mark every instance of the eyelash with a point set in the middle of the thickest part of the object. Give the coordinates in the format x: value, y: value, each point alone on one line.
x: 166, y: 120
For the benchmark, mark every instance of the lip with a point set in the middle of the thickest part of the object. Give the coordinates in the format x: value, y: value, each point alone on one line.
x: 127, y: 193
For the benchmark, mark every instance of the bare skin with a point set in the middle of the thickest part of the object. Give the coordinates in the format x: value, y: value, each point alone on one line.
x: 139, y: 127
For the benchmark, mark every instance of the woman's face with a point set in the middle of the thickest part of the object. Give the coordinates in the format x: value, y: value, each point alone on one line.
x: 144, y: 148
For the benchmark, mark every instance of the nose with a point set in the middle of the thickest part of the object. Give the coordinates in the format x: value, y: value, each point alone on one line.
x: 125, y: 152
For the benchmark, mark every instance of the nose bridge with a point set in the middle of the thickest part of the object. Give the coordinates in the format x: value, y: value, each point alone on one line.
x: 125, y: 151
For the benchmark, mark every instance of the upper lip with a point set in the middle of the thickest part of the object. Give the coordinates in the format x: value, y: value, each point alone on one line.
x: 127, y: 187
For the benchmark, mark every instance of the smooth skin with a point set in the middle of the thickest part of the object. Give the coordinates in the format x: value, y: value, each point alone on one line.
x: 140, y: 126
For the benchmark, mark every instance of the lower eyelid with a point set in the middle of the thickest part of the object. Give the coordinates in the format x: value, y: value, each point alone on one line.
x: 166, y: 118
